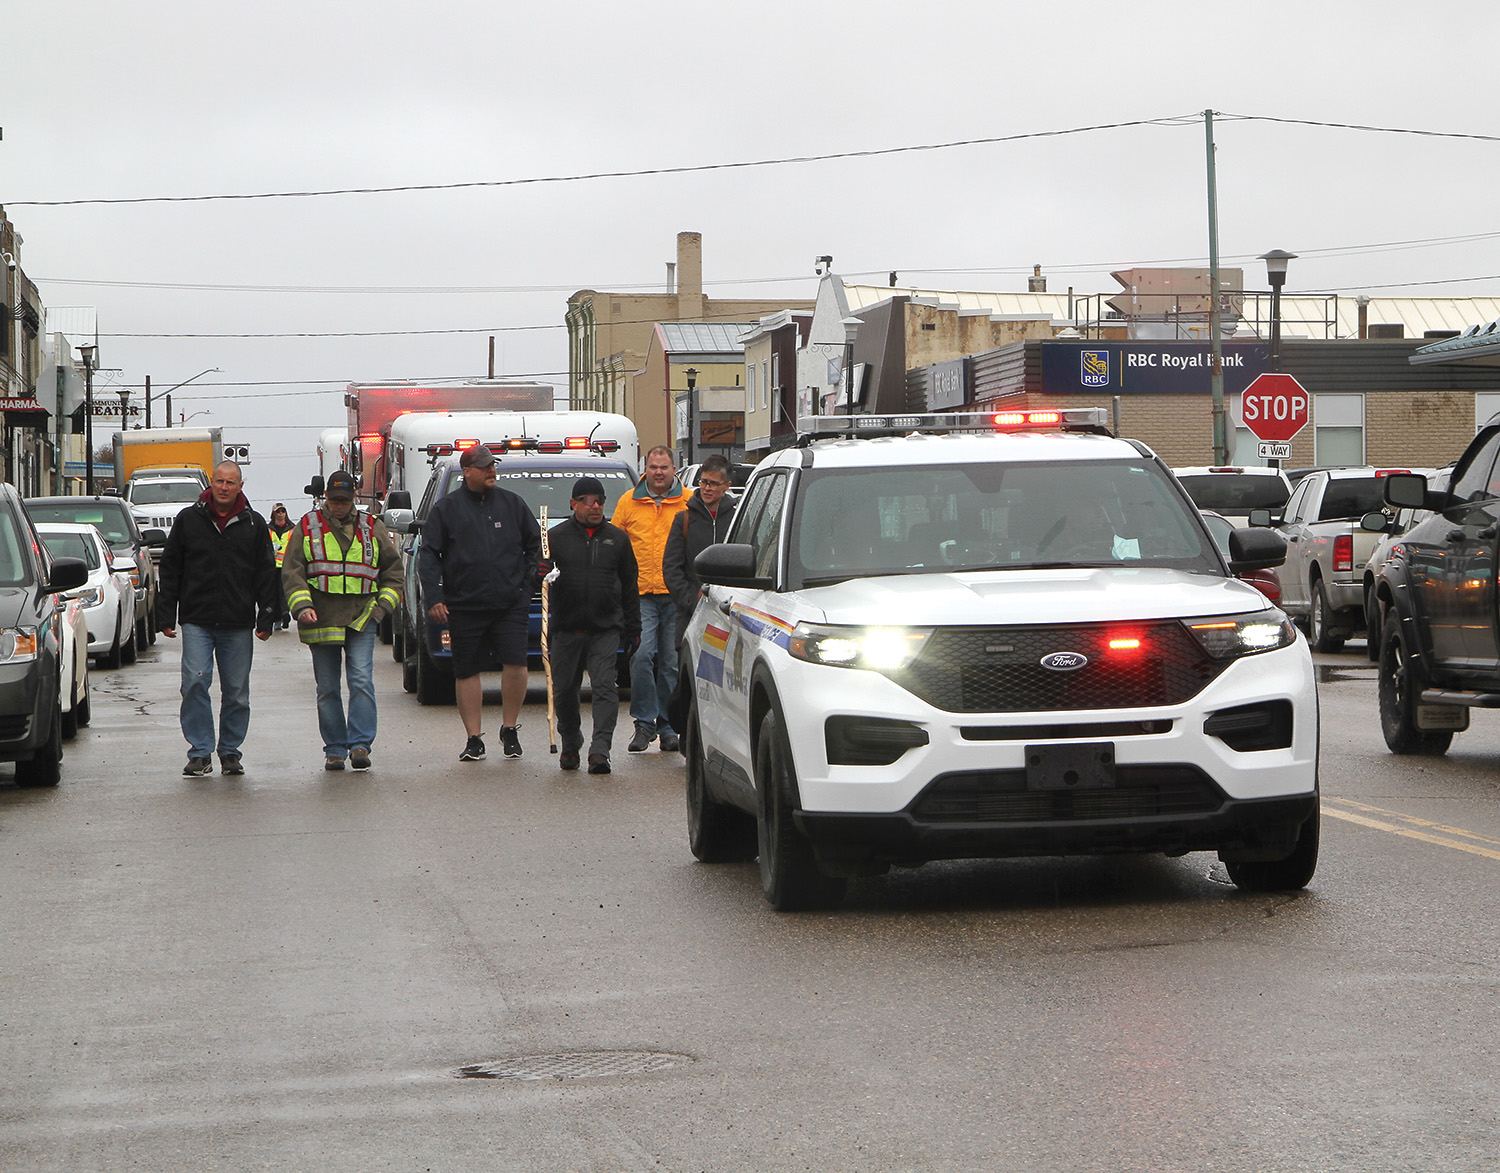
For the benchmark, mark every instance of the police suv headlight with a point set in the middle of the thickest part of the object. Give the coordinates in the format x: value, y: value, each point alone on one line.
x: 17, y: 645
x: 879, y: 649
x: 1226, y: 636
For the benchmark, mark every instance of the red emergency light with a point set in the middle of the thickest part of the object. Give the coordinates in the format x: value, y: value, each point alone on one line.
x: 465, y: 445
x: 576, y: 442
x: 1027, y: 419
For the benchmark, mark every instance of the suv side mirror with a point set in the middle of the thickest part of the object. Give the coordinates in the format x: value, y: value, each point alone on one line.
x: 398, y: 521
x: 1254, y: 549
x: 1261, y: 518
x: 730, y: 564
x: 1407, y: 489
x: 1375, y: 523
x: 154, y: 537
x: 67, y: 573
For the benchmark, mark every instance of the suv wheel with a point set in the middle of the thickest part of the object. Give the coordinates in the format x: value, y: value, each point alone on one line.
x: 717, y: 833
x: 789, y: 871
x: 44, y: 768
x: 1282, y: 875
x: 1322, y: 638
x: 1400, y: 684
x: 434, y: 686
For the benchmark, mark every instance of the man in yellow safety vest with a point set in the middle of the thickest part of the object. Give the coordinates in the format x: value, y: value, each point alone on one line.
x: 342, y: 575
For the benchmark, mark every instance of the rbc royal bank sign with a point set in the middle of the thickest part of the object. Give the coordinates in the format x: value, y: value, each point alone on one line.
x: 1147, y: 368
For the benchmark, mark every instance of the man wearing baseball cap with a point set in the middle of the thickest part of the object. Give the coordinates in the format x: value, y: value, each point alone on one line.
x: 341, y: 576
x: 478, y: 561
x: 595, y: 610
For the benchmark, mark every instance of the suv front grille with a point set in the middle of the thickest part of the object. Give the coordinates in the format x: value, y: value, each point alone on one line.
x: 1000, y: 796
x: 999, y: 669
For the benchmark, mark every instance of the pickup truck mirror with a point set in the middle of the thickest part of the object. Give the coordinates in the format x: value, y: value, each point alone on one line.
x: 730, y: 564
x: 314, y: 487
x: 67, y: 573
x: 154, y: 537
x: 398, y: 521
x: 1261, y: 518
x: 1376, y: 523
x: 1253, y: 549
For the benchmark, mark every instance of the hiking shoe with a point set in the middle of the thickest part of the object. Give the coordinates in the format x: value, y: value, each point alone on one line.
x: 359, y: 758
x: 510, y: 741
x: 568, y: 760
x: 230, y: 763
x: 669, y: 742
x: 473, y: 751
x: 642, y: 740
x: 333, y: 763
x: 598, y: 763
x: 198, y: 767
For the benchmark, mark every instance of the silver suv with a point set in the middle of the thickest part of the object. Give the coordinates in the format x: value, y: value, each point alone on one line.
x: 932, y: 637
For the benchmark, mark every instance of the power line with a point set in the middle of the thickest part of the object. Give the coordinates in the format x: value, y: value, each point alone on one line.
x: 700, y: 167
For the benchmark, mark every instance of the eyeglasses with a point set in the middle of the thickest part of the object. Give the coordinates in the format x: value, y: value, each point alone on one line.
x: 704, y: 484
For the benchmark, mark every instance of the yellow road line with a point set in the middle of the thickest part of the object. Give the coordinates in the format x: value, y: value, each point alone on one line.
x: 1411, y: 830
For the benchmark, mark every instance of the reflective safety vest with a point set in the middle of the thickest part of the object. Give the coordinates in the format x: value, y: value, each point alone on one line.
x: 338, y: 572
x: 279, y: 543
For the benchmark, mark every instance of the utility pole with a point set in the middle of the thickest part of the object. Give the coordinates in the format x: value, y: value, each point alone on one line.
x: 89, y: 357
x: 1216, y: 346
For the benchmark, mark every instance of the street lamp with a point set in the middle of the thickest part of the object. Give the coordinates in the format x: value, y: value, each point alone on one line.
x: 1276, y: 261
x: 688, y: 446
x: 195, y: 415
x: 169, y: 390
x: 89, y: 358
x: 124, y: 408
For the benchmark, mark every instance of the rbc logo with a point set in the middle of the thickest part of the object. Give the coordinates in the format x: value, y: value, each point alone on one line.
x: 1095, y: 371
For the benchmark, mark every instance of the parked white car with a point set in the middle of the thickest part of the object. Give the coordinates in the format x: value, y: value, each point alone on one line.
x: 107, y: 600
x: 73, y: 667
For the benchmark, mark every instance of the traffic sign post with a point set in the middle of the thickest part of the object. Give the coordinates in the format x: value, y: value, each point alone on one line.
x: 1274, y: 407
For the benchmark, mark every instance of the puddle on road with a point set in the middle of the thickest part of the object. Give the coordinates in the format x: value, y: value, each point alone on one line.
x: 1339, y: 673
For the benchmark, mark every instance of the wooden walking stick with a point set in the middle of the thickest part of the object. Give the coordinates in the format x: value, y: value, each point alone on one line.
x: 546, y: 648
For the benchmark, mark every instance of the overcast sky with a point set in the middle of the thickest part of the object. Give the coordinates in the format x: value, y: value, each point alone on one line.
x: 160, y: 98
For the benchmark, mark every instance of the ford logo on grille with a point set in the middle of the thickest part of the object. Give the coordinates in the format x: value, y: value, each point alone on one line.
x: 1064, y: 661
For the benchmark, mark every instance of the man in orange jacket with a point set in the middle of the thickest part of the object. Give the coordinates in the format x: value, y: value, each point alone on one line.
x: 647, y: 515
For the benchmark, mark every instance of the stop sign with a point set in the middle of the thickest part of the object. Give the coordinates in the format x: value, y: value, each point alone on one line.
x: 1274, y: 407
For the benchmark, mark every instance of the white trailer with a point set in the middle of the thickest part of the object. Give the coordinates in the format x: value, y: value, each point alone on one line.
x: 333, y: 450
x: 417, y: 439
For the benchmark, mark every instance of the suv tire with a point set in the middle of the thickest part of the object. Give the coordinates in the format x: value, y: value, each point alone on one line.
x: 1282, y: 875
x: 717, y: 832
x: 434, y: 686
x: 1322, y: 637
x: 1399, y: 685
x: 789, y: 871
x: 44, y: 768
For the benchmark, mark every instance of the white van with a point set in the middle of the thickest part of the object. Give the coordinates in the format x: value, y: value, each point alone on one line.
x: 417, y: 439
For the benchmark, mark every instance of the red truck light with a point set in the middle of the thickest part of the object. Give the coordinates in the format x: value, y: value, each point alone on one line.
x: 1343, y: 552
x: 1027, y: 419
x: 465, y: 445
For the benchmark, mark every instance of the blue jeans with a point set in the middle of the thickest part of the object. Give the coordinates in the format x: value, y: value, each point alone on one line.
x: 653, y: 668
x: 232, y: 648
x: 357, y: 660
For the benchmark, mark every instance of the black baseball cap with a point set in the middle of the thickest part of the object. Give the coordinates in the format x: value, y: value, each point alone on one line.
x: 340, y: 484
x: 478, y: 456
x: 587, y: 486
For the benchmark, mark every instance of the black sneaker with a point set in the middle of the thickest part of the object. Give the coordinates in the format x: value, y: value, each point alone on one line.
x: 598, y: 763
x: 568, y: 760
x: 198, y: 767
x: 474, y: 751
x: 510, y: 741
x: 230, y: 764
x: 642, y: 740
x: 669, y: 742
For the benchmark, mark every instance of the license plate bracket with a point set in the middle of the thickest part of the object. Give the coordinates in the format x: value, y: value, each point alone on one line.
x: 1071, y: 766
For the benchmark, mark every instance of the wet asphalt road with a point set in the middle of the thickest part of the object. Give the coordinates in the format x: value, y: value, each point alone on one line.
x: 288, y: 970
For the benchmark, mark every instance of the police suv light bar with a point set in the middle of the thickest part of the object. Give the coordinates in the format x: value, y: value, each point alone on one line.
x: 1071, y: 419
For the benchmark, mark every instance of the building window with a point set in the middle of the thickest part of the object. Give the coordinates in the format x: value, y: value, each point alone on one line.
x: 750, y: 385
x: 1338, y: 429
x: 769, y: 379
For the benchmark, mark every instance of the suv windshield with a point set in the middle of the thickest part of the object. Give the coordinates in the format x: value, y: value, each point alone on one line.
x: 110, y: 518
x: 1227, y: 492
x: 165, y: 492
x: 988, y: 516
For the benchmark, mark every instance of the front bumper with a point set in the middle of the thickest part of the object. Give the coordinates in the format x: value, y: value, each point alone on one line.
x: 26, y: 691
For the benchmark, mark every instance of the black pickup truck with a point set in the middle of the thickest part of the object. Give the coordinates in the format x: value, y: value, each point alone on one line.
x: 1438, y: 619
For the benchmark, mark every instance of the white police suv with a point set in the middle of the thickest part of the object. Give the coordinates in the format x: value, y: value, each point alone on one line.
x: 980, y: 635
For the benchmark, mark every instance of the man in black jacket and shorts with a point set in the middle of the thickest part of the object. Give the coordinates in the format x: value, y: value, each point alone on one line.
x: 480, y: 549
x: 595, y: 610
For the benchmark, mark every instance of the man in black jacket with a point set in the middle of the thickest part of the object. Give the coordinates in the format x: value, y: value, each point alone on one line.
x: 595, y: 609
x: 704, y: 522
x: 219, y: 581
x: 478, y: 560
